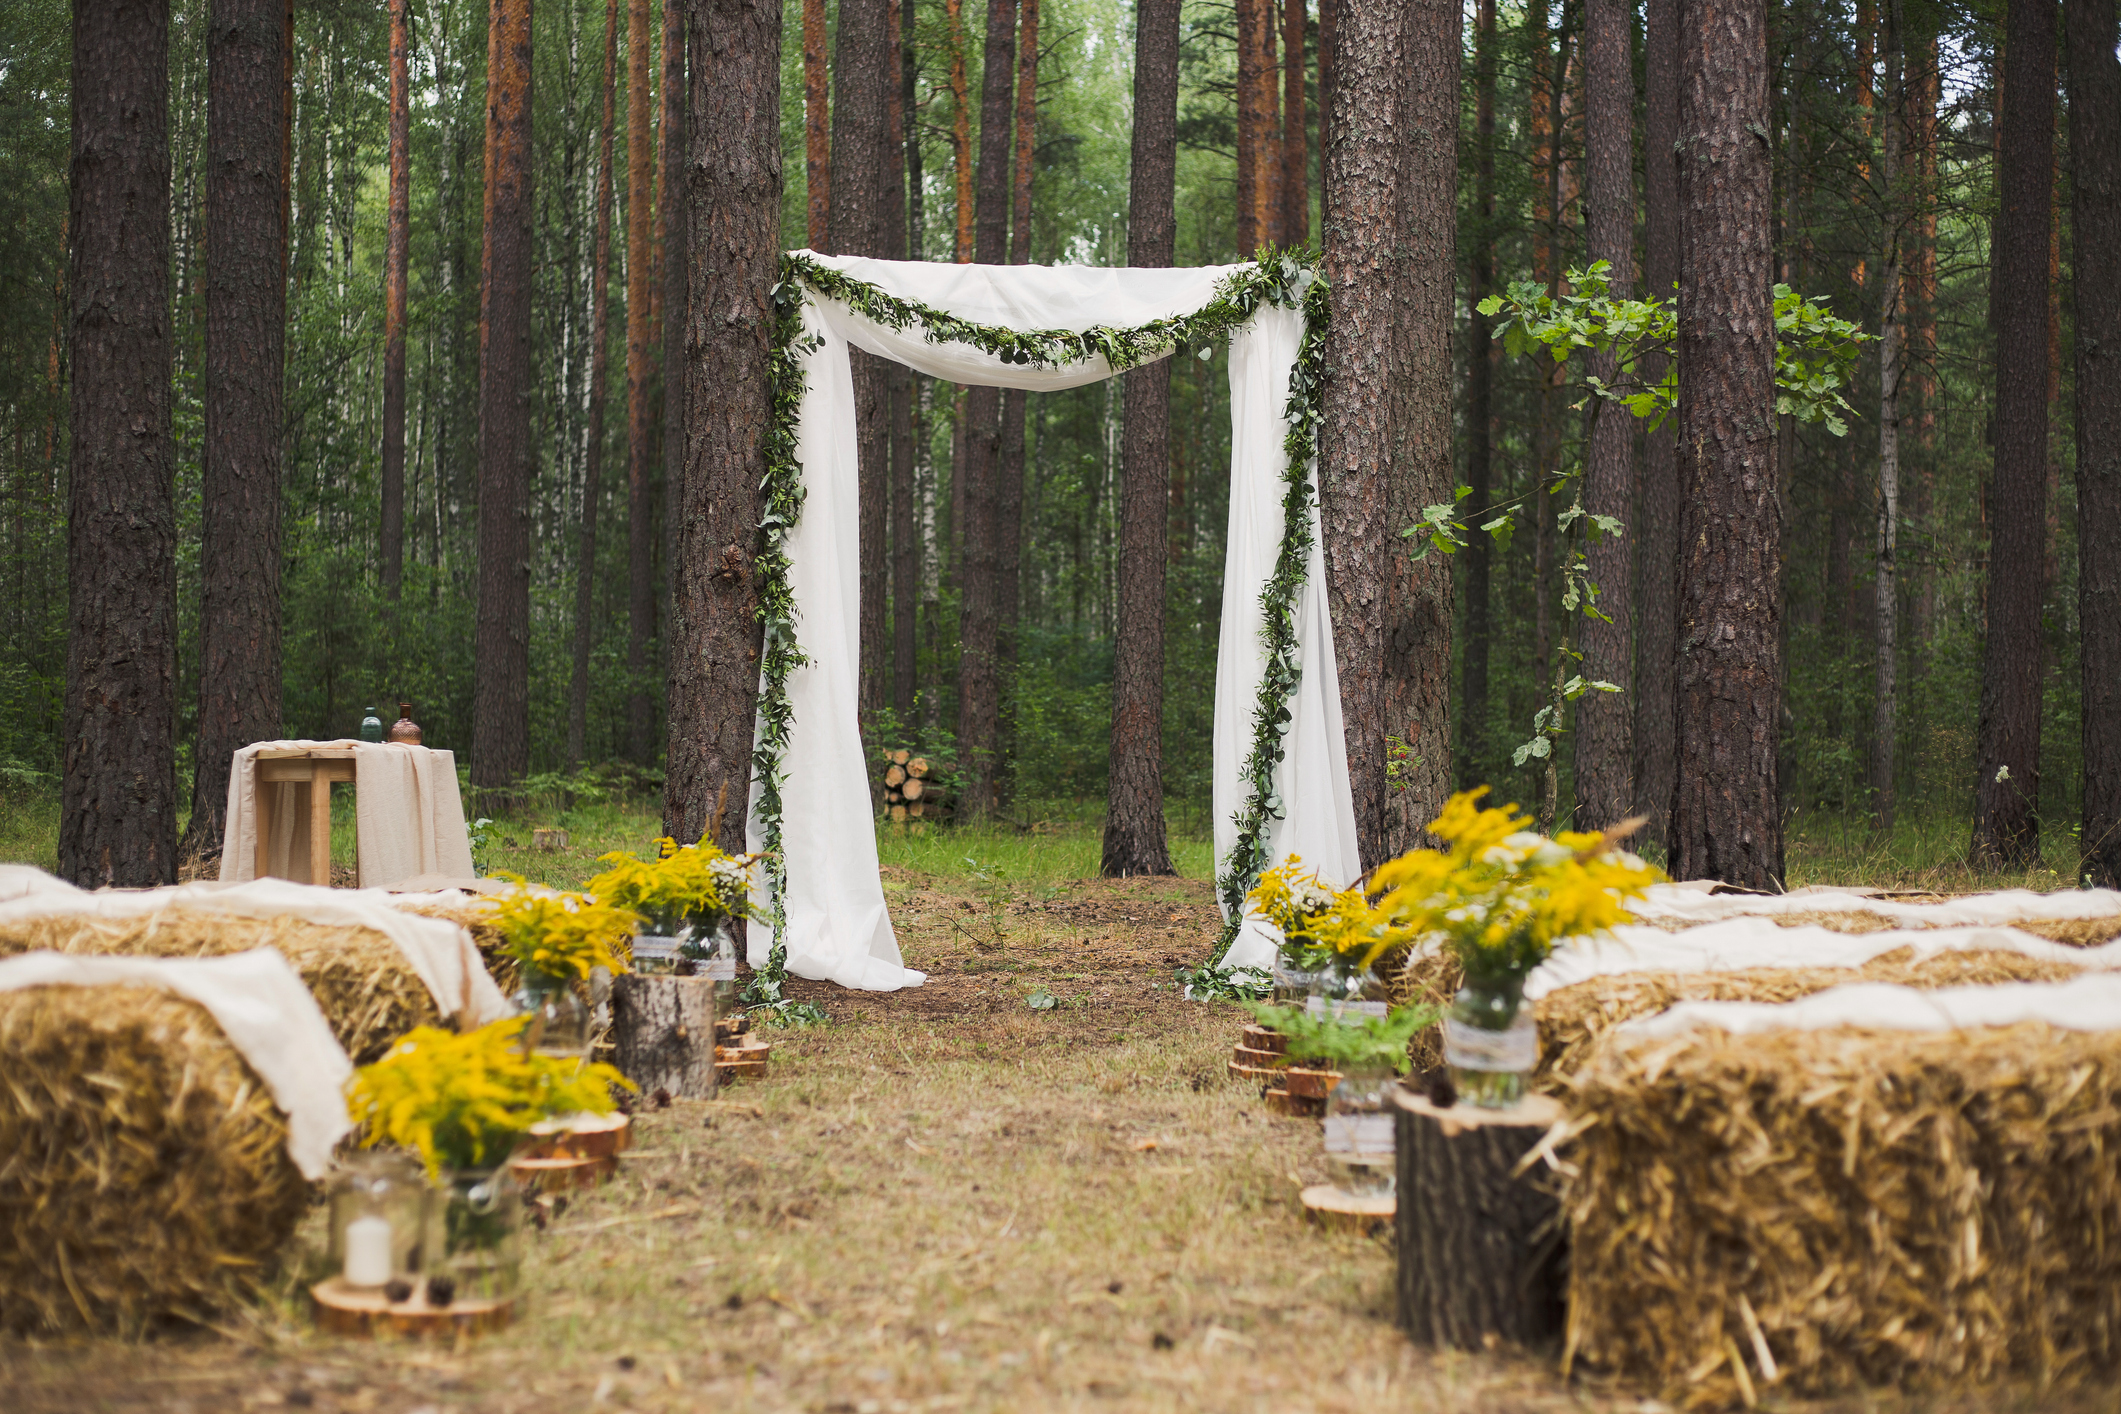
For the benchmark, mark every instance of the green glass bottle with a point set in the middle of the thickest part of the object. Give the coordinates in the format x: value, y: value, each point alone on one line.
x: 371, y: 725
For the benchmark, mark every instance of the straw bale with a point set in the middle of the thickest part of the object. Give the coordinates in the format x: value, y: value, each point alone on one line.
x: 2074, y: 932
x: 1867, y: 1207
x: 1573, y: 1019
x: 361, y: 980
x: 145, y: 1176
x: 478, y: 916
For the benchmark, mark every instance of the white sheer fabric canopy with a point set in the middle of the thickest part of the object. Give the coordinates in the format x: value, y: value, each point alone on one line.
x: 838, y: 928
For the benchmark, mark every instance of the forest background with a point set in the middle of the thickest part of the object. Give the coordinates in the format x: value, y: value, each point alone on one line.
x: 345, y: 648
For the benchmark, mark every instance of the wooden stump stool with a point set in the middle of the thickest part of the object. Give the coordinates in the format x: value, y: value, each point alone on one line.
x: 1480, y: 1247
x: 664, y: 1032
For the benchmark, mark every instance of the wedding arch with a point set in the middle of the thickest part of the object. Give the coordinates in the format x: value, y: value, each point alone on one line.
x: 1280, y: 761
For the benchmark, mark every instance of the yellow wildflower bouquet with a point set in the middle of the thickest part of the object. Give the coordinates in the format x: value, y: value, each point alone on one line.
x: 695, y: 882
x: 560, y: 937
x: 463, y: 1101
x: 1503, y: 894
x: 1321, y: 926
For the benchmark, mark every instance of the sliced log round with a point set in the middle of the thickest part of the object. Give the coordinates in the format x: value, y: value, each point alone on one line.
x: 918, y: 766
x: 893, y: 776
x: 913, y: 789
x: 663, y: 1029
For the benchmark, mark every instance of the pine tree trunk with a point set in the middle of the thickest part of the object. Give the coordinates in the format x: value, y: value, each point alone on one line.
x: 501, y: 689
x: 674, y: 247
x: 1009, y: 468
x: 861, y: 77
x: 1478, y: 557
x: 1726, y: 810
x: 246, y: 343
x: 960, y: 142
x: 118, y: 805
x: 2007, y: 793
x: 817, y: 127
x: 1328, y: 61
x: 599, y: 376
x: 1258, y: 153
x: 904, y: 175
x: 1605, y: 754
x: 979, y: 677
x: 1295, y: 139
x: 1366, y: 261
x: 1924, y: 90
x: 1891, y: 364
x: 641, y: 278
x: 733, y: 195
x: 1658, y: 533
x: 2095, y: 226
x: 1134, y: 809
x: 1416, y: 704
x: 397, y: 242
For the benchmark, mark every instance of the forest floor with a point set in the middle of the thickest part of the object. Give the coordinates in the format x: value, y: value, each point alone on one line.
x: 942, y: 1200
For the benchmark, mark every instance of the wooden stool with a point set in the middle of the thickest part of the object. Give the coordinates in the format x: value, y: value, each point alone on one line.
x: 317, y: 767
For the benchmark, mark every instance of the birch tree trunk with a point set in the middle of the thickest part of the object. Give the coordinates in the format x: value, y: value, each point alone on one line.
x: 733, y: 195
x: 2007, y: 793
x: 1726, y: 810
x: 1135, y: 840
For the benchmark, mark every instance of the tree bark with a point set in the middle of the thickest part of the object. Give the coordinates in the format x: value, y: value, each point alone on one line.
x: 733, y: 190
x: 1366, y: 259
x: 1473, y: 762
x: 673, y: 247
x: 978, y: 673
x: 397, y: 242
x: 1480, y: 1245
x: 246, y: 343
x: 1655, y: 745
x: 1328, y: 58
x: 599, y: 376
x: 1295, y: 140
x: 1891, y: 364
x: 2007, y: 794
x: 662, y: 1029
x: 1605, y: 754
x: 1258, y: 152
x: 1009, y: 469
x: 1726, y: 807
x: 1416, y: 705
x: 960, y: 135
x: 1135, y: 840
x: 817, y: 127
x: 905, y: 176
x: 501, y: 690
x: 2095, y: 225
x: 118, y: 803
x: 641, y: 278
x: 861, y: 77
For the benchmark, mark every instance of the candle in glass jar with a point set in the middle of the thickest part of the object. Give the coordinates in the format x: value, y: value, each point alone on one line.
x: 368, y: 1251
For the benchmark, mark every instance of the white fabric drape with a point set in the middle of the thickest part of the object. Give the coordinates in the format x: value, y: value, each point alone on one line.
x: 838, y: 928
x: 408, y: 816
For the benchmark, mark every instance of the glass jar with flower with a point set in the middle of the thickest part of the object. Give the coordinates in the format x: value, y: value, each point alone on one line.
x: 1330, y: 942
x: 558, y: 940
x: 1363, y: 1058
x: 463, y: 1103
x: 1500, y: 895
x: 688, y: 899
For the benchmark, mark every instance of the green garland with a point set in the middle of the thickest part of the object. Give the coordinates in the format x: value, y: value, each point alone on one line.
x: 1287, y: 279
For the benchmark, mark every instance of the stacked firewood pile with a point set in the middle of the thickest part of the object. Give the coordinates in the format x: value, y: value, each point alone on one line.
x: 911, y: 791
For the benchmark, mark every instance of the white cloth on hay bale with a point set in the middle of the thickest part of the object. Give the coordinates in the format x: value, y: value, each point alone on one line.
x: 441, y: 953
x: 838, y: 927
x: 2089, y: 1003
x: 408, y: 816
x: 1694, y: 901
x: 262, y: 1007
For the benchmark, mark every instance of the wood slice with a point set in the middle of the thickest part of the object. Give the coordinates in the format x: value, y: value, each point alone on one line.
x: 663, y: 1030
x: 1348, y: 1212
x: 1262, y: 1038
x: 1311, y: 1084
x: 900, y: 758
x: 913, y: 789
x: 579, y: 1137
x: 918, y: 766
x: 563, y: 1174
x: 1480, y: 1252
x: 915, y: 809
x: 728, y: 1028
x: 550, y: 841
x: 365, y: 1311
x: 1281, y: 1102
x: 728, y: 1070
x: 1263, y: 1060
x: 893, y: 776
x: 1256, y: 1074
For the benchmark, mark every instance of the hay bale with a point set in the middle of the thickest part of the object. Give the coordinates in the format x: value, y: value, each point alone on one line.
x: 145, y: 1176
x: 361, y: 980
x: 1866, y: 1207
x: 1574, y: 1019
x: 2074, y: 932
x: 476, y: 915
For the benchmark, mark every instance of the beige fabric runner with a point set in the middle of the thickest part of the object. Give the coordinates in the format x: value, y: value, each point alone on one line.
x: 408, y: 816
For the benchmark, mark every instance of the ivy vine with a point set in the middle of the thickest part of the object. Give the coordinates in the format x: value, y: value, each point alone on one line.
x: 1287, y: 279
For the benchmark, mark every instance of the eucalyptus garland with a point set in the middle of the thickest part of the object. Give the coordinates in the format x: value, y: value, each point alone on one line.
x: 1286, y: 279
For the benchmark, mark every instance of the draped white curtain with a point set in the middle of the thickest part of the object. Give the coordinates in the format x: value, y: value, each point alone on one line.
x: 838, y: 928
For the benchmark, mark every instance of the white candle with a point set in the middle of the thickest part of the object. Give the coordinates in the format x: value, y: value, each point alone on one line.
x: 368, y: 1251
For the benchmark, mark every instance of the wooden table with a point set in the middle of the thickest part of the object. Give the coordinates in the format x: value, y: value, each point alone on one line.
x: 318, y: 767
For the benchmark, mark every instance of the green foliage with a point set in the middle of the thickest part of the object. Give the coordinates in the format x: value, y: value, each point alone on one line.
x: 562, y: 937
x: 1371, y: 1043
x: 695, y: 883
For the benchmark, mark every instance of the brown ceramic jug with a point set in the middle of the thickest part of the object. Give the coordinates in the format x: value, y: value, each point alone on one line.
x: 405, y: 729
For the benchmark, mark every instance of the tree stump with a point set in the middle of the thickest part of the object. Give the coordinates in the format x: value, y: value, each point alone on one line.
x: 1481, y: 1254
x: 663, y: 1031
